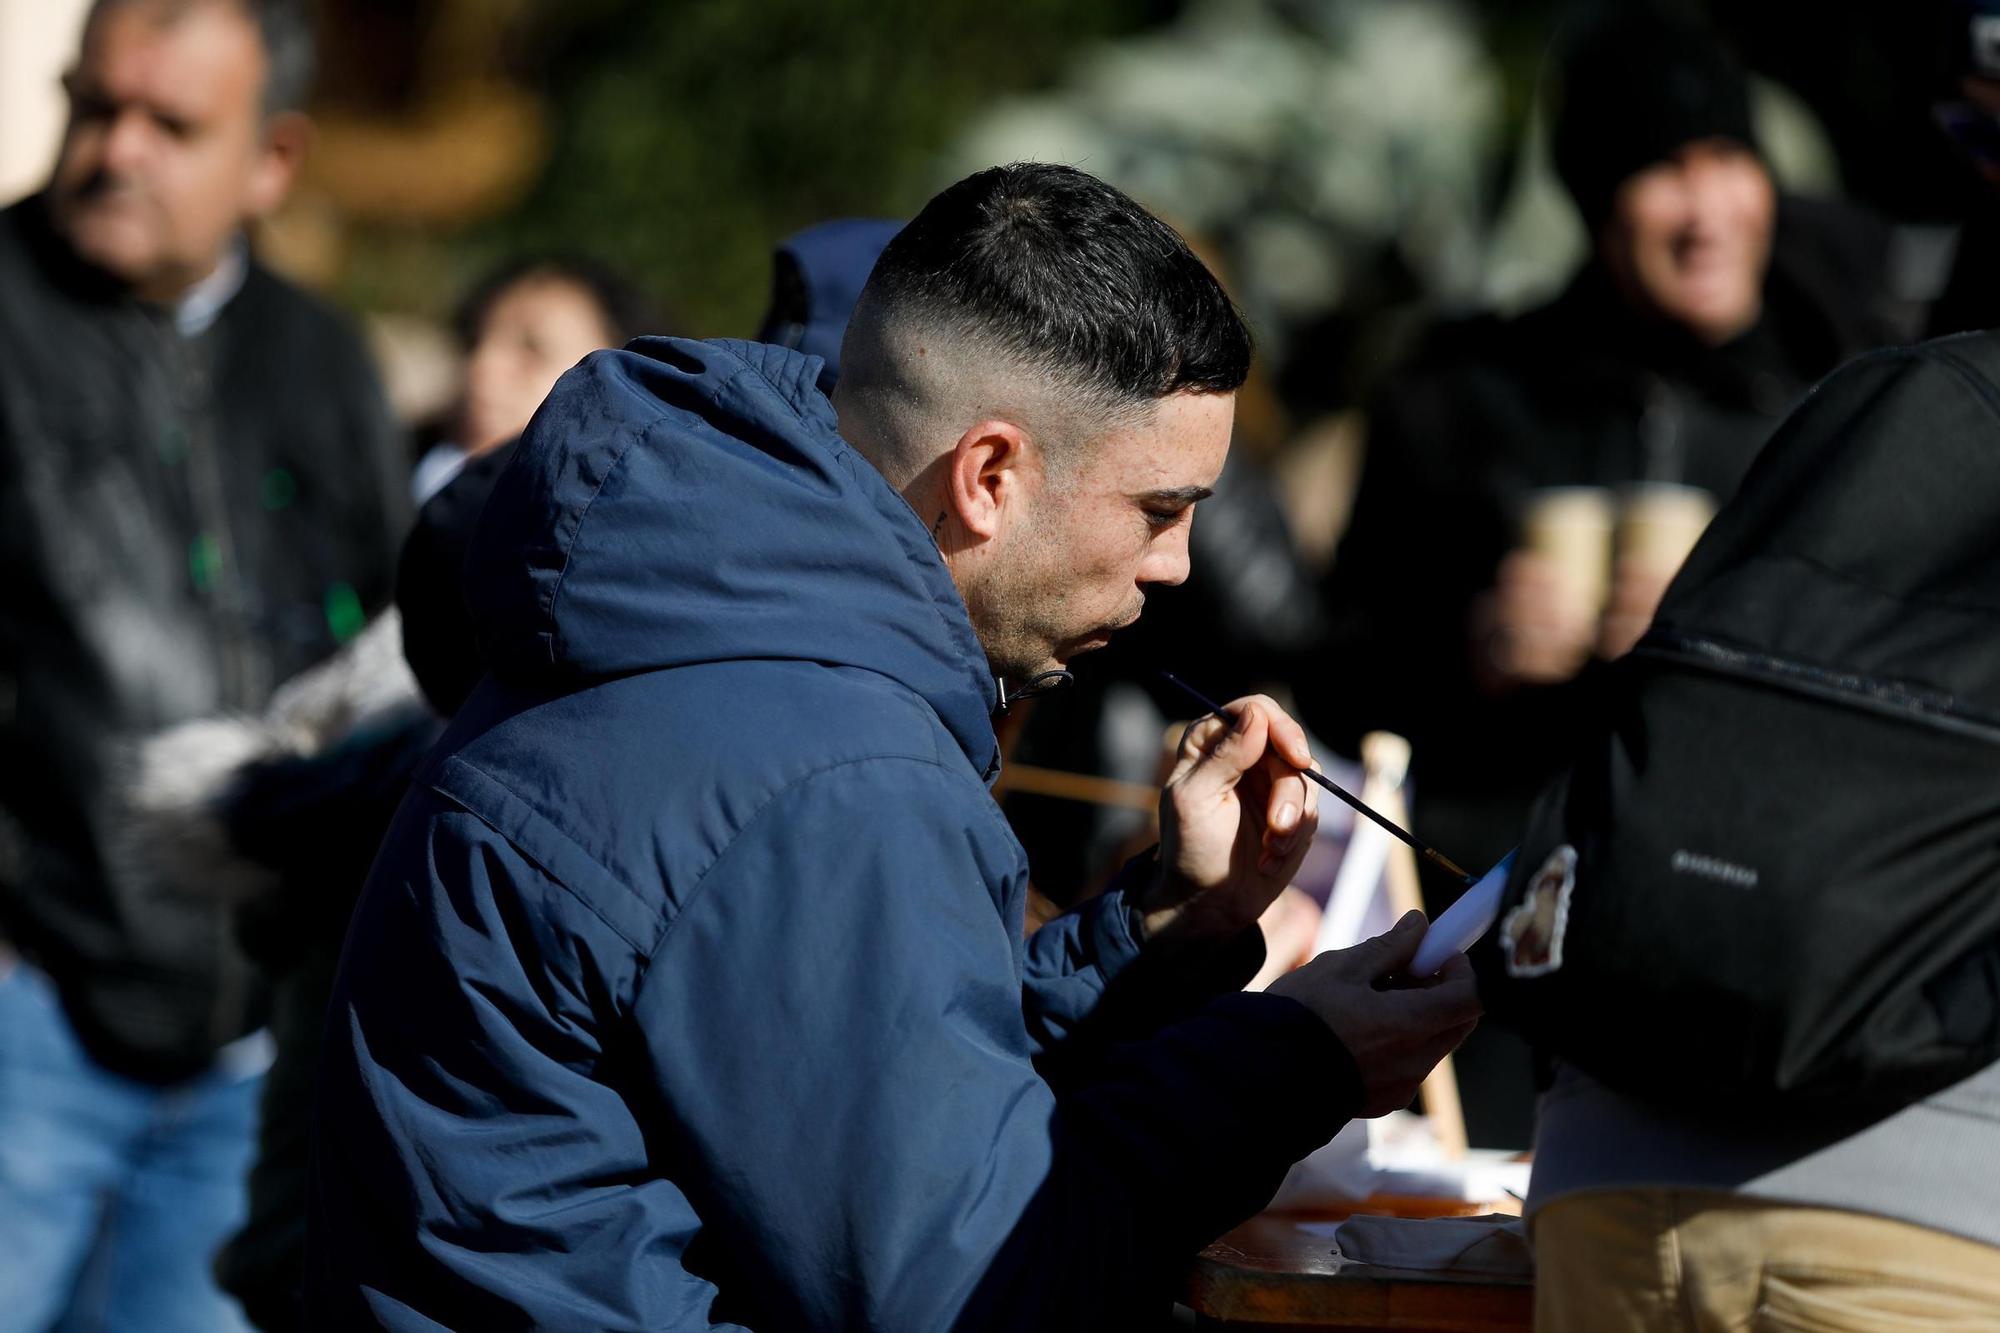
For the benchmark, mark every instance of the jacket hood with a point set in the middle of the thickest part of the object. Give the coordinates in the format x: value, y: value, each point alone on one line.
x: 820, y: 274
x: 683, y: 502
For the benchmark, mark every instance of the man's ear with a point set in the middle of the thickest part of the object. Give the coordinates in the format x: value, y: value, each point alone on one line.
x: 995, y: 470
x: 280, y: 157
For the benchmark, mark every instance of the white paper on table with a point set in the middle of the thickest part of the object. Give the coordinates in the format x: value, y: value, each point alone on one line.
x: 1336, y: 1173
x: 1398, y: 1154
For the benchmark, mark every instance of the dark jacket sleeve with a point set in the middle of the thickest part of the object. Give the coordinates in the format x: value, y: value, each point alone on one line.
x: 835, y: 1028
x: 1086, y: 981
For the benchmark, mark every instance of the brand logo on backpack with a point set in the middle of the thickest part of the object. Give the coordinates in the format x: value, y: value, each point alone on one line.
x: 1531, y: 936
x: 1735, y: 876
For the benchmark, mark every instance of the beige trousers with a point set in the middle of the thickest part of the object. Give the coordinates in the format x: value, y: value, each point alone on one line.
x: 1691, y: 1261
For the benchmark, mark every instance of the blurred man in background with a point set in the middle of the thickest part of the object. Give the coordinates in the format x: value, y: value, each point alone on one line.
x: 1656, y: 1215
x: 198, y: 498
x: 1486, y: 568
x: 1698, y: 321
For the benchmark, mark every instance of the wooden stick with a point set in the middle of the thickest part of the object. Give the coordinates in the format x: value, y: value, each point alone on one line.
x: 1385, y: 759
x: 1063, y: 786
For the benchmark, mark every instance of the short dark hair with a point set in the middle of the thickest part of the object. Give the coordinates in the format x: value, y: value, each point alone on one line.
x: 289, y: 51
x: 1070, y: 275
x: 286, y: 29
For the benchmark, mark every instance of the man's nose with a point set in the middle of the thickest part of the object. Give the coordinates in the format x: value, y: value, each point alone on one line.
x: 1167, y: 562
x: 129, y: 140
x: 1712, y: 195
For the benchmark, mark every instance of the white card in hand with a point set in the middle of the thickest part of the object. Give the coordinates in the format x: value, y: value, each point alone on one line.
x: 1463, y: 922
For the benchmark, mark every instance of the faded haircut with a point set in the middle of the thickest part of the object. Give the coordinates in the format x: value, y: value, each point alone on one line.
x: 1050, y: 284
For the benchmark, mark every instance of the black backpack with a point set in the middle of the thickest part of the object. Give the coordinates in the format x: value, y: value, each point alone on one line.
x: 1770, y: 881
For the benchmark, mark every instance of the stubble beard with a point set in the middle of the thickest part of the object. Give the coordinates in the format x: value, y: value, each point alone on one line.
x: 1008, y: 621
x: 1016, y: 610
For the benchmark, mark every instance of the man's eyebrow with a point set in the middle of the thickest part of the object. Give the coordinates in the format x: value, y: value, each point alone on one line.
x: 1175, y: 495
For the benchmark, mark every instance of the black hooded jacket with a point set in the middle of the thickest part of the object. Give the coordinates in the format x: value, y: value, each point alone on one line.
x: 1580, y: 392
x: 184, y: 523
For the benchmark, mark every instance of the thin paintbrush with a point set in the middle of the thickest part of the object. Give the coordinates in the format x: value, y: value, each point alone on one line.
x: 1423, y: 848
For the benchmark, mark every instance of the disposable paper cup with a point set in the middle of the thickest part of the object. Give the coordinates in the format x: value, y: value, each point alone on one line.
x: 1570, y: 528
x: 1659, y: 524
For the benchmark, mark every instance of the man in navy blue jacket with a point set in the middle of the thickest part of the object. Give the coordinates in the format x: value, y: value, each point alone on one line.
x: 689, y: 989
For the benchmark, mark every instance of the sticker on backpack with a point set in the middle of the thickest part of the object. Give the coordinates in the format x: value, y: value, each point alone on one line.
x: 1531, y: 935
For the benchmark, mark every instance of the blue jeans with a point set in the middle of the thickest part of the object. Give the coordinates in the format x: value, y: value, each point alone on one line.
x: 114, y: 1194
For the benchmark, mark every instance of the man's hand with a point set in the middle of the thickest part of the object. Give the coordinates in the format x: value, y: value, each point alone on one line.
x: 1236, y: 819
x: 1635, y: 597
x: 1397, y: 1035
x: 1530, y: 629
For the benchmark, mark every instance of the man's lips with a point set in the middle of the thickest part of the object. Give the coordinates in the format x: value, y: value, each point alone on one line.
x: 1101, y: 636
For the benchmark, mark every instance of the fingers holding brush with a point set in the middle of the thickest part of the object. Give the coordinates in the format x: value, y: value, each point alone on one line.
x: 1236, y: 818
x: 1318, y: 778
x: 1291, y: 803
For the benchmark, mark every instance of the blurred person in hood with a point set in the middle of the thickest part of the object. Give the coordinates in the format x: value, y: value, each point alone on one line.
x: 1664, y: 1217
x: 1493, y: 562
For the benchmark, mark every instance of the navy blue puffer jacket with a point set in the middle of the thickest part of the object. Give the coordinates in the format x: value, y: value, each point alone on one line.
x: 689, y: 987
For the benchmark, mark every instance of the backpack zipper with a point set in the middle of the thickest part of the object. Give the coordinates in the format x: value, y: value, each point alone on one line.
x: 1934, y: 708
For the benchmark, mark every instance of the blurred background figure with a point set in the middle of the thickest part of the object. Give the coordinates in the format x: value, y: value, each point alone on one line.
x: 1701, y: 314
x: 199, y: 496
x: 1533, y: 483
x: 1656, y: 1212
x: 521, y: 327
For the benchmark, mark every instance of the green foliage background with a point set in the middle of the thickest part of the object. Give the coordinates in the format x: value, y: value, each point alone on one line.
x: 691, y: 135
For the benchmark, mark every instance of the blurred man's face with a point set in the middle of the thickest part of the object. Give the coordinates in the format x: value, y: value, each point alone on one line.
x: 1689, y: 238
x: 536, y: 329
x: 1076, y: 564
x: 166, y: 154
